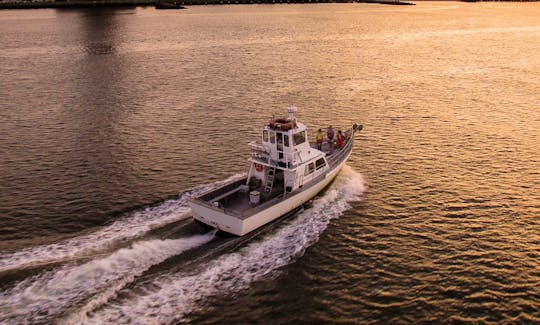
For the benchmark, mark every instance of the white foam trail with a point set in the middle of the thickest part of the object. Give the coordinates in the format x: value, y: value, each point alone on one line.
x: 180, y: 294
x: 133, y: 226
x: 45, y: 296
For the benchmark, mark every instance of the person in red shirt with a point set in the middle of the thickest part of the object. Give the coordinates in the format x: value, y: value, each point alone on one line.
x: 340, y: 139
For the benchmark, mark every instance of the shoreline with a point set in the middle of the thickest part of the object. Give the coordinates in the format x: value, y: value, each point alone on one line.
x: 136, y: 3
x: 75, y: 4
x: 142, y: 3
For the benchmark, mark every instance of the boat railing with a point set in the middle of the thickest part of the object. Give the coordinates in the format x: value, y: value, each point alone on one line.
x: 339, y: 154
x: 259, y: 152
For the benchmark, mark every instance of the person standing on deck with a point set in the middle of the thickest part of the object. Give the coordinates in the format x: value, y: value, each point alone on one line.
x: 319, y: 138
x: 340, y: 139
x: 330, y: 136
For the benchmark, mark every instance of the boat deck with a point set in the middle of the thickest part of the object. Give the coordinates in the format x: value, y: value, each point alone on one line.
x: 335, y: 156
x: 238, y: 203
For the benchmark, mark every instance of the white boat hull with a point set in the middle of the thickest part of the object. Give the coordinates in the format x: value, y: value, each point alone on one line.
x: 220, y: 219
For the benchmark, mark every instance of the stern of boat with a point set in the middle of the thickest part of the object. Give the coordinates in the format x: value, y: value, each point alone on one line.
x: 216, y: 217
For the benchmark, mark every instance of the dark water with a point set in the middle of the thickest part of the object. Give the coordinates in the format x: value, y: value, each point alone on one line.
x: 111, y: 119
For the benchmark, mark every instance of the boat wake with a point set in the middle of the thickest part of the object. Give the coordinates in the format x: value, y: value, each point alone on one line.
x: 124, y: 230
x: 172, y: 298
x: 39, y: 298
x: 135, y: 284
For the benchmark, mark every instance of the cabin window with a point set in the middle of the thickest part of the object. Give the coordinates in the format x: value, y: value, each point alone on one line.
x: 285, y: 140
x: 299, y: 138
x: 320, y: 163
x: 265, y: 136
x: 309, y: 169
x: 272, y: 137
x: 279, y: 141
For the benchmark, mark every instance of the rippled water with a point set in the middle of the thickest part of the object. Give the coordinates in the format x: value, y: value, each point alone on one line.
x: 107, y: 115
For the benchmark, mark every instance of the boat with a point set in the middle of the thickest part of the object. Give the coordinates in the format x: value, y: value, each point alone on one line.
x: 286, y: 171
x: 390, y: 2
x: 162, y: 4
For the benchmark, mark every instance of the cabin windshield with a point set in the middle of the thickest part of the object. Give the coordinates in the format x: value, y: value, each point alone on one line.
x: 299, y: 138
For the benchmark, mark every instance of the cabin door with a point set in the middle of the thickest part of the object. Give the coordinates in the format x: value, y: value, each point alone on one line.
x: 279, y: 141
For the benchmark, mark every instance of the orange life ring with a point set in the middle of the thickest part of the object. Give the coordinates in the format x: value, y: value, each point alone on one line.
x: 283, y: 124
x: 258, y: 167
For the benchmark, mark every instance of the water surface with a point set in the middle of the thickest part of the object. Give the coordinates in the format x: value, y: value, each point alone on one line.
x: 111, y: 119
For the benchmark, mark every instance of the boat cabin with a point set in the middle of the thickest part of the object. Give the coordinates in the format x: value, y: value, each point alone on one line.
x: 284, y: 160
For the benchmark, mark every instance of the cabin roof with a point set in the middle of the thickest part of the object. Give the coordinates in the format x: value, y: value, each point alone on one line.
x: 299, y: 128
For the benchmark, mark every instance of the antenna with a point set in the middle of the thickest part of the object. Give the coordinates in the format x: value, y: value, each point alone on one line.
x: 292, y: 110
